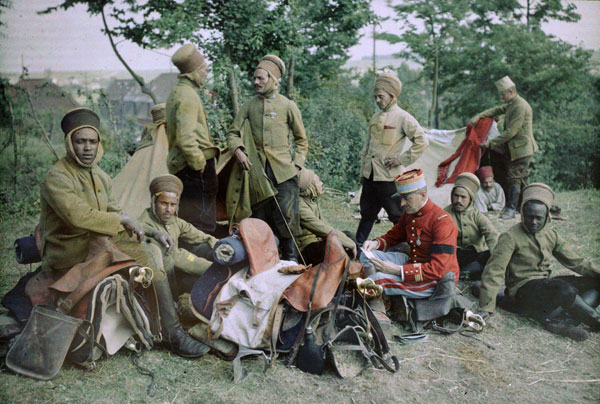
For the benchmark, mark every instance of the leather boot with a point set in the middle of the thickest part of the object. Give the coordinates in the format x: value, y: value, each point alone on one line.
x: 399, y: 312
x: 512, y: 202
x: 289, y: 252
x: 378, y: 307
x: 173, y: 333
x: 566, y: 329
x: 581, y: 311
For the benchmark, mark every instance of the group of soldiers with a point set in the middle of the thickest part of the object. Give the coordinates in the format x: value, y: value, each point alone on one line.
x: 80, y: 214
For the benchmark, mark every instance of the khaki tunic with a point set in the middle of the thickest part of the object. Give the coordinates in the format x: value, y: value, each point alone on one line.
x: 518, y: 131
x: 187, y: 129
x: 179, y: 229
x: 272, y: 119
x: 313, y: 226
x: 387, y: 133
x: 474, y: 229
x: 75, y: 201
x: 521, y: 257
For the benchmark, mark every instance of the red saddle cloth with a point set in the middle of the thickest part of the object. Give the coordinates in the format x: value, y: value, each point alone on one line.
x: 469, y: 152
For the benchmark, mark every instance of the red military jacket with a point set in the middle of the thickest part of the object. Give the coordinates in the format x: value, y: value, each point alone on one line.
x: 431, y: 234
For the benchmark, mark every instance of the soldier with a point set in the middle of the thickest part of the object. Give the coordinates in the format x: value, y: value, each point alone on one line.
x: 192, y: 154
x: 272, y: 117
x: 490, y: 196
x: 518, y: 134
x: 522, y: 258
x: 160, y: 222
x: 78, y: 209
x: 475, y: 231
x: 381, y: 158
x: 431, y: 235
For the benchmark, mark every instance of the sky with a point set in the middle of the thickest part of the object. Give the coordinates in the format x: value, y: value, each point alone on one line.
x: 72, y: 40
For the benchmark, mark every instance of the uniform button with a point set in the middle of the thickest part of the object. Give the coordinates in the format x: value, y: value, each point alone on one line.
x: 412, y: 235
x: 413, y: 220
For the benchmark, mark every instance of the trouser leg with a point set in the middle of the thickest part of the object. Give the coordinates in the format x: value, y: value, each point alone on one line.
x: 516, y: 177
x: 370, y: 206
x: 198, y: 202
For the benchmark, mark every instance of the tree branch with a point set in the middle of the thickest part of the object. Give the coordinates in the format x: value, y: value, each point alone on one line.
x: 37, y: 120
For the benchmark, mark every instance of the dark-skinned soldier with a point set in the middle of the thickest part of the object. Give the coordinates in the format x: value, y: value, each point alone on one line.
x: 272, y: 118
x: 522, y: 258
x: 79, y: 211
x: 192, y: 153
x: 518, y: 135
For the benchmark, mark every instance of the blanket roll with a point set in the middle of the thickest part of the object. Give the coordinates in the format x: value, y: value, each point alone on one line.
x: 26, y: 250
x: 230, y: 251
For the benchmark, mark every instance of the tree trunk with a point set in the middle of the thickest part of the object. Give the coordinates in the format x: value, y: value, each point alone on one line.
x: 528, y: 11
x: 139, y: 79
x: 434, y: 93
x: 233, y: 90
x: 291, y: 92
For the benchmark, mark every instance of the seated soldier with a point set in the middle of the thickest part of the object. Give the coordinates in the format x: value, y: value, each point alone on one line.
x: 522, y: 256
x: 490, y: 196
x: 475, y: 231
x: 161, y: 223
x: 78, y: 206
x: 431, y: 235
x: 314, y: 228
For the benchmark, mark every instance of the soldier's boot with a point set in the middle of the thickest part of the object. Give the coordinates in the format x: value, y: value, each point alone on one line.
x: 289, y: 252
x: 512, y: 203
x: 398, y: 310
x: 583, y: 312
x: 378, y: 307
x: 179, y: 341
x: 567, y: 329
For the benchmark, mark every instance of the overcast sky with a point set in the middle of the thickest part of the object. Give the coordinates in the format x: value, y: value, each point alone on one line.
x: 72, y: 40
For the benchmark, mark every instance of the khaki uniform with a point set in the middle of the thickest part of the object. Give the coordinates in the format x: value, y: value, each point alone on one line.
x: 179, y: 229
x: 313, y: 226
x: 272, y: 120
x: 388, y: 131
x: 75, y: 201
x: 474, y: 229
x: 187, y: 130
x: 521, y: 257
x: 518, y: 132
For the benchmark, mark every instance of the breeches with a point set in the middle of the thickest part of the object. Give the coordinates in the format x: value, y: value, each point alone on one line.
x: 518, y: 172
x: 467, y: 255
x: 539, y: 297
x: 198, y: 202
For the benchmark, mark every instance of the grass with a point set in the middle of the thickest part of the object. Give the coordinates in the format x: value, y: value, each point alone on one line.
x: 526, y: 364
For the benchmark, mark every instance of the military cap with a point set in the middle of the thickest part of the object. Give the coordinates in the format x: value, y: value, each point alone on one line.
x: 78, y: 118
x: 273, y: 65
x: 409, y: 181
x: 166, y: 183
x: 505, y: 83
x: 187, y: 58
x: 389, y: 83
x: 159, y: 112
x: 468, y: 181
x: 538, y: 192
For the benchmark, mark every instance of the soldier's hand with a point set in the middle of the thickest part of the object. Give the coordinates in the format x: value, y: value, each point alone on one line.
x: 474, y: 121
x: 242, y: 159
x: 391, y: 162
x: 166, y: 240
x: 370, y: 245
x: 387, y: 267
x: 132, y: 227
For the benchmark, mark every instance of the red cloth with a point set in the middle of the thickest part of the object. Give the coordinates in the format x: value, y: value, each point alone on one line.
x: 469, y: 152
x: 436, y: 253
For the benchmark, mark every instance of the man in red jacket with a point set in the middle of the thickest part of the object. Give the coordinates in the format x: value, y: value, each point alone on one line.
x: 431, y: 235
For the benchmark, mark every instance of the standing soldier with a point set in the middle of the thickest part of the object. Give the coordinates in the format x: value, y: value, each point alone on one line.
x: 382, y: 159
x: 272, y: 117
x: 518, y: 134
x: 192, y: 154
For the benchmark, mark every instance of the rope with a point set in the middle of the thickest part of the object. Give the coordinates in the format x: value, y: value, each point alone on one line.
x: 151, y: 390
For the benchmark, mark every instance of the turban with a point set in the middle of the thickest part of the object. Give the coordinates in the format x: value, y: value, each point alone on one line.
x: 187, y: 58
x: 538, y: 192
x: 484, y: 172
x: 273, y: 65
x: 306, y: 178
x: 159, y: 112
x: 408, y: 182
x: 79, y: 118
x: 389, y: 83
x: 166, y: 183
x: 505, y: 83
x: 468, y: 181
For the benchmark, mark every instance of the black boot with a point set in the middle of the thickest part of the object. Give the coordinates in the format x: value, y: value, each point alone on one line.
x: 173, y: 333
x: 581, y: 311
x: 566, y: 329
x: 289, y: 252
x: 512, y: 202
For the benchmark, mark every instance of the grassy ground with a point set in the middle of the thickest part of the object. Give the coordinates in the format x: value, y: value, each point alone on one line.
x: 523, y: 363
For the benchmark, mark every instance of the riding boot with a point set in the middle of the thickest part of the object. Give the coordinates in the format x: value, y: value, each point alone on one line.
x: 378, y: 307
x: 512, y: 202
x: 398, y: 309
x: 363, y: 231
x: 591, y: 297
x: 173, y: 333
x: 581, y: 311
x: 289, y: 252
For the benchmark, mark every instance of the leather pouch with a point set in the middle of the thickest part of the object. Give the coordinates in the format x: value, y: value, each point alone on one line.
x: 40, y: 350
